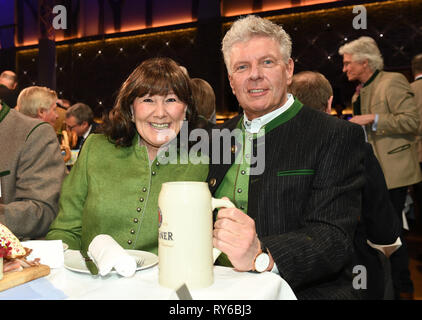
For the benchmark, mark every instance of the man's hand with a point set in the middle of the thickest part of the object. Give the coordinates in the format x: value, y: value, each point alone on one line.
x: 363, y: 119
x: 235, y: 235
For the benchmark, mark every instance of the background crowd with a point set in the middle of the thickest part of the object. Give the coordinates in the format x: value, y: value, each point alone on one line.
x: 331, y: 197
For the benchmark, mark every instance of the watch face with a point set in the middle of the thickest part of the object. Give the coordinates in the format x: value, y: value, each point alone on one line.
x: 262, y: 262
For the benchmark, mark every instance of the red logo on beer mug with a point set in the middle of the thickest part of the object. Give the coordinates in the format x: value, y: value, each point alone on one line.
x: 160, y: 217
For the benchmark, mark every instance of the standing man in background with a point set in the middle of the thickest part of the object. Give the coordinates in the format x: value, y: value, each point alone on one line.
x: 417, y: 89
x: 377, y: 234
x: 384, y: 105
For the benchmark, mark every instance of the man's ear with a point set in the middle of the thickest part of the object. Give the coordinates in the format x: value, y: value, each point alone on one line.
x: 231, y: 85
x: 290, y: 66
x: 329, y: 105
x: 85, y: 124
x: 40, y: 113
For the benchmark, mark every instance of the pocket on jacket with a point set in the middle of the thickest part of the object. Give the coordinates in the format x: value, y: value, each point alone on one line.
x: 297, y: 172
x: 399, y: 149
x: 4, y: 173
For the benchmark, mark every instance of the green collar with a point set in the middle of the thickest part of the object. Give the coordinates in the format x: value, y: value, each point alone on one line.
x: 285, y: 116
x: 4, y: 111
x: 371, y: 78
x: 282, y: 118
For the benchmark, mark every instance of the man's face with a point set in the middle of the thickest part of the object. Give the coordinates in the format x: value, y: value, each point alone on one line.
x: 355, y: 70
x: 73, y: 125
x: 259, y: 77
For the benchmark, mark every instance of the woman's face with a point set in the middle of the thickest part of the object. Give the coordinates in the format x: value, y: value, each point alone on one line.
x: 158, y: 119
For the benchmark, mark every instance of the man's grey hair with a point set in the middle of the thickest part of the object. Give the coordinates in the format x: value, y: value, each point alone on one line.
x: 81, y: 112
x: 364, y: 48
x: 9, y: 79
x: 33, y: 99
x: 247, y: 27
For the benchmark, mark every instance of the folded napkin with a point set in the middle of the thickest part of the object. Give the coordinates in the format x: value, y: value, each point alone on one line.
x: 50, y: 252
x: 108, y: 254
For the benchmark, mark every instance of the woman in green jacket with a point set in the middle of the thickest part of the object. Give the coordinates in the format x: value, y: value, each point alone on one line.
x: 113, y: 187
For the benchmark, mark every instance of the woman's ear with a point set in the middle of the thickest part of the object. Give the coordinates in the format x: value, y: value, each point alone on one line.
x: 186, y: 111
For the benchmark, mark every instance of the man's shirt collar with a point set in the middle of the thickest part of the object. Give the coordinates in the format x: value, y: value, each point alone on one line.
x: 253, y: 126
x: 87, y: 132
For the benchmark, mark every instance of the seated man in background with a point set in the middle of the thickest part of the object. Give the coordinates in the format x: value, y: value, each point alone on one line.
x: 378, y: 223
x: 38, y: 102
x: 8, y: 84
x: 41, y: 103
x: 31, y: 174
x: 80, y: 120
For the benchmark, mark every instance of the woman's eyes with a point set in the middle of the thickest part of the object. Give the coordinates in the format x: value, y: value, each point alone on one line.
x: 167, y: 100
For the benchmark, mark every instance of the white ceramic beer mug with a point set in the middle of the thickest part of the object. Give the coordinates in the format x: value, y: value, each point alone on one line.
x: 185, y: 250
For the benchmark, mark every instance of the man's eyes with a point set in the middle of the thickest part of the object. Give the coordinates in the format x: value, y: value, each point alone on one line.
x: 267, y: 62
x: 264, y: 63
x: 241, y: 67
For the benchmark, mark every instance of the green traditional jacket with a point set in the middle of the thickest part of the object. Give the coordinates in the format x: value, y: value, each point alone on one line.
x: 114, y: 190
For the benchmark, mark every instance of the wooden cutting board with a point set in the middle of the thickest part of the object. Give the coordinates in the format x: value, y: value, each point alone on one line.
x: 12, y: 279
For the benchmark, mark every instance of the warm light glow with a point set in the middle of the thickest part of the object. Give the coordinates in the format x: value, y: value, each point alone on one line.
x: 241, y: 9
x: 160, y: 23
x: 224, y: 116
x: 179, y: 20
x: 28, y: 42
x: 97, y: 43
x: 155, y: 34
x: 246, y: 7
x: 272, y: 6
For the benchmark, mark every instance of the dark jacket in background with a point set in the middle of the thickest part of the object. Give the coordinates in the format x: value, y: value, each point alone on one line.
x: 8, y: 96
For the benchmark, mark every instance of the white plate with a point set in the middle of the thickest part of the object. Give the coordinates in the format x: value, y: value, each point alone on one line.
x: 74, y: 261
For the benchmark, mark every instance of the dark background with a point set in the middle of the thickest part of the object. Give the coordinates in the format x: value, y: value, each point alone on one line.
x: 91, y: 69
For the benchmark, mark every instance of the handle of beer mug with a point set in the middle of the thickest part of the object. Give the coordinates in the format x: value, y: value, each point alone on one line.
x: 219, y: 203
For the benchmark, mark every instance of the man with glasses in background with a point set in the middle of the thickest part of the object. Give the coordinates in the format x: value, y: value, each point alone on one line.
x: 80, y: 120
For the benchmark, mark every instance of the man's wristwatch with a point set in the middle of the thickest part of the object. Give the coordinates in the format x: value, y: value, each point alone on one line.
x: 262, y: 260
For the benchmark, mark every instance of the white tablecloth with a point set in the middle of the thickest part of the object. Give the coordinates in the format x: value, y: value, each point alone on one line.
x: 228, y: 285
x: 62, y: 283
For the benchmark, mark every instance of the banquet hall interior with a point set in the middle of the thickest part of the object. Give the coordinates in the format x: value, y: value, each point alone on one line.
x: 93, y: 45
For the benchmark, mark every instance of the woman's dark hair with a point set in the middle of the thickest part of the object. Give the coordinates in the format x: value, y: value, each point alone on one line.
x: 155, y: 76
